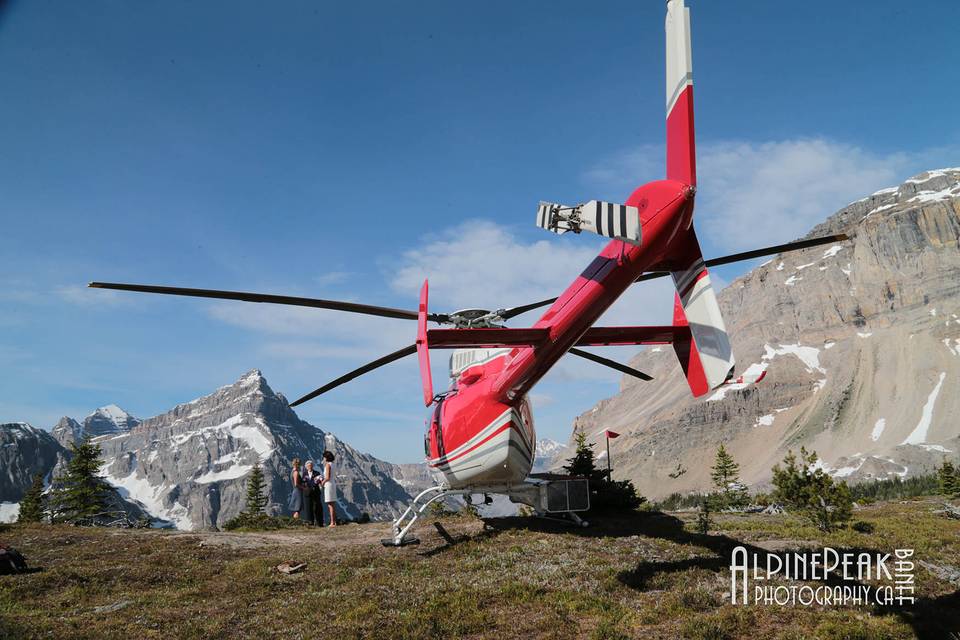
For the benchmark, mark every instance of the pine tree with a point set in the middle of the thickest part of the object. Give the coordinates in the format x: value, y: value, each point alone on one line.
x: 725, y: 470
x: 725, y: 474
x: 256, y: 501
x: 605, y: 493
x: 80, y: 494
x: 805, y: 488
x: 33, y: 507
x: 948, y: 478
x: 583, y: 463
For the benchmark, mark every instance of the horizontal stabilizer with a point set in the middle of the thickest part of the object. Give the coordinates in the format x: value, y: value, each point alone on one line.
x: 486, y: 338
x: 612, y: 336
x: 608, y: 219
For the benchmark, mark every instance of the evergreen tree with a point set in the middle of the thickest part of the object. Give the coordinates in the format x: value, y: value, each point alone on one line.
x: 725, y: 474
x: 33, y: 507
x: 80, y: 494
x: 256, y: 501
x: 604, y: 492
x: 947, y: 477
x: 703, y: 516
x: 804, y: 487
x: 583, y: 462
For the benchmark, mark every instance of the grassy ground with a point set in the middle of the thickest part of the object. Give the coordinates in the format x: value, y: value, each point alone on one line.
x: 647, y: 575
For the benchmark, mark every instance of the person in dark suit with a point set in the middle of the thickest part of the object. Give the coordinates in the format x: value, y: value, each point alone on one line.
x: 312, y: 508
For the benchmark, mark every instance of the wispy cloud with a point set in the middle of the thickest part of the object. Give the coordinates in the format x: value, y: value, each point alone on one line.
x: 86, y: 297
x: 332, y: 277
x: 756, y: 193
x: 482, y: 264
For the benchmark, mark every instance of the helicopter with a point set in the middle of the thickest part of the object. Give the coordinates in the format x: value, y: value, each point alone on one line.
x: 480, y: 437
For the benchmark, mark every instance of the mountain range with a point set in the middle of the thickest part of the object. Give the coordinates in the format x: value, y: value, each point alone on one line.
x: 188, y: 467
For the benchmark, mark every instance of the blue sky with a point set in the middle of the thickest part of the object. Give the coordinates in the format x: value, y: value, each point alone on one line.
x: 347, y: 150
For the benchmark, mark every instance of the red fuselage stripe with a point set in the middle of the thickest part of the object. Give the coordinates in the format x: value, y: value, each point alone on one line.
x: 510, y: 424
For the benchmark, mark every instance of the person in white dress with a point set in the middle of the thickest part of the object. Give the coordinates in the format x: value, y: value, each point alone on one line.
x: 329, y: 486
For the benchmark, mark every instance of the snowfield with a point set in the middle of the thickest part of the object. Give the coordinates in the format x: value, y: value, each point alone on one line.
x: 919, y: 434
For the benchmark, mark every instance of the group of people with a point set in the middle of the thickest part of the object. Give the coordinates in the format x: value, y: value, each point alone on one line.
x: 312, y: 488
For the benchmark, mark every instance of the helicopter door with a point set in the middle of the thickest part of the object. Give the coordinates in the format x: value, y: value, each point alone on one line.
x: 433, y: 439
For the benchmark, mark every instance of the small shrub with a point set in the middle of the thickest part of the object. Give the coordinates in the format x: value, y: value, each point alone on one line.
x: 863, y: 527
x: 762, y: 500
x: 805, y: 488
x: 703, y: 516
x: 948, y: 477
x: 262, y: 522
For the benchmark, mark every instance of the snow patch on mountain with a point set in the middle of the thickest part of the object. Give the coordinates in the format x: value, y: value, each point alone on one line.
x: 919, y: 434
x: 878, y: 428
x: 809, y: 356
x: 9, y: 511
x: 764, y: 421
x: 235, y: 427
x: 139, y: 489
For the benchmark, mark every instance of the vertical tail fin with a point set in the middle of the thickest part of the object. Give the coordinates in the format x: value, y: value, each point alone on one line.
x: 706, y: 356
x: 681, y: 156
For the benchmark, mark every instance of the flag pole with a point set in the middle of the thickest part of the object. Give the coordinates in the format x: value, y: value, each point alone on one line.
x: 609, y: 478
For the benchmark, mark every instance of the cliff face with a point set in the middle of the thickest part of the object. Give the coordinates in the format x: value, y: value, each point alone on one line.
x: 860, y: 341
x: 24, y: 452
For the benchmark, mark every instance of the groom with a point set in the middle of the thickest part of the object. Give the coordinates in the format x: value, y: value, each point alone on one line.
x: 313, y: 480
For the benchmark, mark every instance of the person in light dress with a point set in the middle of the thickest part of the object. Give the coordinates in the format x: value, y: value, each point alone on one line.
x: 329, y: 486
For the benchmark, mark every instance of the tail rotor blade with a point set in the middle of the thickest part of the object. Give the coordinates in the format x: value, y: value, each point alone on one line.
x: 367, y: 368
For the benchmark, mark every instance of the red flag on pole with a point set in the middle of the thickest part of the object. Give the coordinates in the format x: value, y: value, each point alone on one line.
x: 611, y: 434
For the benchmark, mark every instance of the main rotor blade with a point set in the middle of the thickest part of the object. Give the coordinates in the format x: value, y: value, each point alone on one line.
x: 758, y: 253
x: 367, y: 368
x: 335, y: 305
x: 714, y: 262
x: 613, y: 364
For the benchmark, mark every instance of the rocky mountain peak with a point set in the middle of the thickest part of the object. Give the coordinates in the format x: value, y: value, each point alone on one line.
x: 67, y: 430
x: 248, y: 394
x: 107, y: 420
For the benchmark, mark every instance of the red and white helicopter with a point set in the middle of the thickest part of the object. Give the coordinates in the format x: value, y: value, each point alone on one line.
x: 480, y: 435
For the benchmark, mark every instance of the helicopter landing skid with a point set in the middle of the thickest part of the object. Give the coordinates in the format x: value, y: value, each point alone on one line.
x: 409, y: 517
x: 547, y: 494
